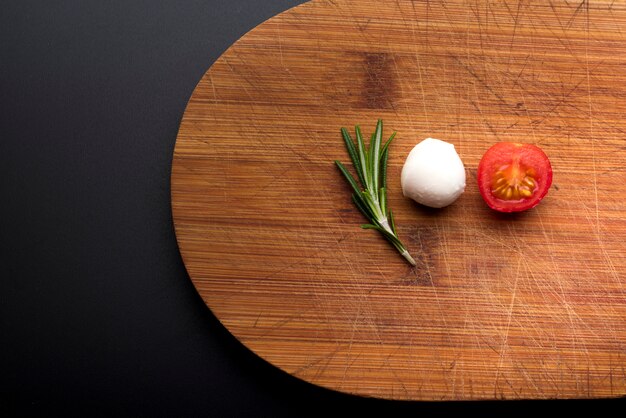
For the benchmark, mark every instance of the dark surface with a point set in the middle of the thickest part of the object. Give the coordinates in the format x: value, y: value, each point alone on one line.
x: 97, y: 314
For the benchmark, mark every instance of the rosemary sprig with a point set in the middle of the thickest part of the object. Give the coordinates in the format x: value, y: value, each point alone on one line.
x: 370, y: 193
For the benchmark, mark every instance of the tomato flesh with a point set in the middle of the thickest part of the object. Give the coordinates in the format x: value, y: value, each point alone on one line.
x: 514, y: 177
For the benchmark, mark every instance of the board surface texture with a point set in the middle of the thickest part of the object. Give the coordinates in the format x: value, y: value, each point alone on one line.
x: 524, y: 306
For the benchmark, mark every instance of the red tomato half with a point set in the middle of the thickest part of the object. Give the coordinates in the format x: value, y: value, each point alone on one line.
x: 514, y: 177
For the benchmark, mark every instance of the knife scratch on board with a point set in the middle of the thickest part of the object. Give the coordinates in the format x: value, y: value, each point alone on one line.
x: 504, y: 345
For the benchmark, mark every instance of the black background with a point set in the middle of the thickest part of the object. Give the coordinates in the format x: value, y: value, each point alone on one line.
x: 97, y: 314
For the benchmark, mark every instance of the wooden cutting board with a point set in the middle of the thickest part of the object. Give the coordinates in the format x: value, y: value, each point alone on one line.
x: 527, y: 306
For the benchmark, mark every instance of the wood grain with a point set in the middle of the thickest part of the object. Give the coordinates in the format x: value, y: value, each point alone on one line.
x: 527, y: 306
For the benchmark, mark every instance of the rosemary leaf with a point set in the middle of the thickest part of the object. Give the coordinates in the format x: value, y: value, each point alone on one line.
x: 372, y: 203
x: 354, y: 156
x: 375, y: 153
x: 384, y: 148
x: 392, y: 223
x: 348, y: 177
x: 359, y: 203
x: 383, y: 168
x: 362, y: 156
x: 382, y: 199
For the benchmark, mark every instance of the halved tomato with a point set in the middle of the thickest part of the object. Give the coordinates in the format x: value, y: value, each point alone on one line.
x: 514, y: 177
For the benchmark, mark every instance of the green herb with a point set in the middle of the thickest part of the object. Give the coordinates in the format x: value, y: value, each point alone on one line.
x: 370, y: 193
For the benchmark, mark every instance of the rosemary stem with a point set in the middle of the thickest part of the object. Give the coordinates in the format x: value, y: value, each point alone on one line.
x: 384, y: 223
x: 408, y: 257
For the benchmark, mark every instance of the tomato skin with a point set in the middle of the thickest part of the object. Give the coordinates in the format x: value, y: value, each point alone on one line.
x: 523, y: 168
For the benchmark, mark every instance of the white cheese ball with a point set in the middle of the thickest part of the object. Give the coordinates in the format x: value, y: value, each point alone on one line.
x: 433, y: 174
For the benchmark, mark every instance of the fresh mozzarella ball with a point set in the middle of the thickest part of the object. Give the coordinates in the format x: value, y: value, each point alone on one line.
x: 433, y: 174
